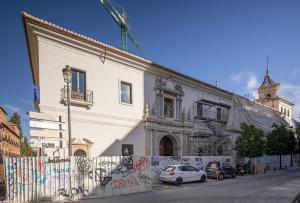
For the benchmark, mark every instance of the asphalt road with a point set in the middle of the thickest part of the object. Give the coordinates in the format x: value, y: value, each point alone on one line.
x: 282, y: 186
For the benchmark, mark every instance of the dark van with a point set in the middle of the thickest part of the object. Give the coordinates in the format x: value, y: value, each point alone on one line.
x: 220, y: 170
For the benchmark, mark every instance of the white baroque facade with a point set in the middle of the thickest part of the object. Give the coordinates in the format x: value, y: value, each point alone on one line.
x: 122, y: 104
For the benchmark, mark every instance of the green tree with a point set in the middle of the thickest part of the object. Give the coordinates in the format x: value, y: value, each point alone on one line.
x: 251, y: 143
x: 297, y: 131
x: 280, y: 141
x: 26, y: 149
x: 16, y: 119
x: 292, y: 143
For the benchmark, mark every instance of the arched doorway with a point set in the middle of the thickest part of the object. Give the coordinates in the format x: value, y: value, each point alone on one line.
x: 167, y: 146
x: 80, y: 152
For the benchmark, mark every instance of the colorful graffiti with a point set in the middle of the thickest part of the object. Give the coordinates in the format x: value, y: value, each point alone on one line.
x: 50, y: 178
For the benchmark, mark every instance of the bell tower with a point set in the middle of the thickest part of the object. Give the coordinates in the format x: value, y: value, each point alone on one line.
x: 268, y: 95
x: 269, y: 89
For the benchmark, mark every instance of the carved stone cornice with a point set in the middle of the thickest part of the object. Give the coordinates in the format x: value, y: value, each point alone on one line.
x: 168, y: 122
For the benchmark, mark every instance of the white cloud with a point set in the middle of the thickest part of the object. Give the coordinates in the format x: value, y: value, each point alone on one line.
x: 12, y: 108
x: 289, y: 91
x: 238, y: 77
x: 252, y: 82
x: 292, y: 93
x: 249, y: 82
x: 252, y: 86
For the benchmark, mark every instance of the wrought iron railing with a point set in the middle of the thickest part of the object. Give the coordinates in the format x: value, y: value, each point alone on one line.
x: 36, y: 95
x: 86, y: 96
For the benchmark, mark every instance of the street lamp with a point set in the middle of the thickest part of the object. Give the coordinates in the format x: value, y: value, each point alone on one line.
x: 67, y: 72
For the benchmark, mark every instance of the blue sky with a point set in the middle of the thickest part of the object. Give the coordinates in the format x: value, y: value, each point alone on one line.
x: 210, y: 40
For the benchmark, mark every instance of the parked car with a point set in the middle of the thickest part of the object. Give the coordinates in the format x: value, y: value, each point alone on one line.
x: 220, y: 170
x: 179, y: 174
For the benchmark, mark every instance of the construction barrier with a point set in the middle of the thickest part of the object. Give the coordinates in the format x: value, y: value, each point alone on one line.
x: 158, y: 163
x: 48, y: 178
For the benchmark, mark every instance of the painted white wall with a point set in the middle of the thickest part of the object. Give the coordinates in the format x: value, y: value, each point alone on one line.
x: 108, y: 123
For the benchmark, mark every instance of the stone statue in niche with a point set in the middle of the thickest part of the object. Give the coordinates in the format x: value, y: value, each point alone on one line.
x: 168, y: 111
x: 159, y: 83
x: 178, y: 88
x: 169, y: 85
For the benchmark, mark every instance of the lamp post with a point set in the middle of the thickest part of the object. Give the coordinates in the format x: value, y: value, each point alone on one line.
x: 67, y: 72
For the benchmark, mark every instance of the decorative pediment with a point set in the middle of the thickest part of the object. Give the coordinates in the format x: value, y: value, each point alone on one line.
x: 168, y: 85
x: 83, y: 141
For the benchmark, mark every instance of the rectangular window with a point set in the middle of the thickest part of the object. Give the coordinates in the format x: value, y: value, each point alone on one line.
x: 126, y: 92
x: 288, y: 113
x: 219, y: 114
x: 199, y: 110
x: 127, y: 149
x: 285, y: 111
x: 169, y: 107
x: 78, y: 85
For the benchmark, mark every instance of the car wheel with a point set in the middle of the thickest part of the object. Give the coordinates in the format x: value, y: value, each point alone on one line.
x: 203, y: 179
x: 221, y: 176
x: 178, y: 181
x: 233, y: 175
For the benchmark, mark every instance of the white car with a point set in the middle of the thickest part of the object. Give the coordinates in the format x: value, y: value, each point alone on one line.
x: 179, y: 174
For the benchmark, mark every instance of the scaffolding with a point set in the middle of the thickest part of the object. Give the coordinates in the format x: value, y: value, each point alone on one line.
x: 210, y: 137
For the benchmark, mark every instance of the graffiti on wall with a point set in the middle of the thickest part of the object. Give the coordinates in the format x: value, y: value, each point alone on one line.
x: 158, y: 163
x: 49, y: 178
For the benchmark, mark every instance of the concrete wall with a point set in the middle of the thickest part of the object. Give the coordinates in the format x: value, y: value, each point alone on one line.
x: 48, y: 178
x: 273, y: 162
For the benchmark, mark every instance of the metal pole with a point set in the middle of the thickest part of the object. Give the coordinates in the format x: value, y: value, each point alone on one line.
x: 69, y: 133
x: 69, y: 118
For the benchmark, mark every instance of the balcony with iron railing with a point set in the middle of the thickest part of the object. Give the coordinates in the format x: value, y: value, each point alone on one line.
x: 85, y: 98
x: 36, y: 98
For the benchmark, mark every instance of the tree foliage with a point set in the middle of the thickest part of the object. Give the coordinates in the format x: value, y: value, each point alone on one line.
x: 251, y: 143
x: 297, y: 131
x: 281, y: 141
x: 26, y: 149
x: 16, y: 119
